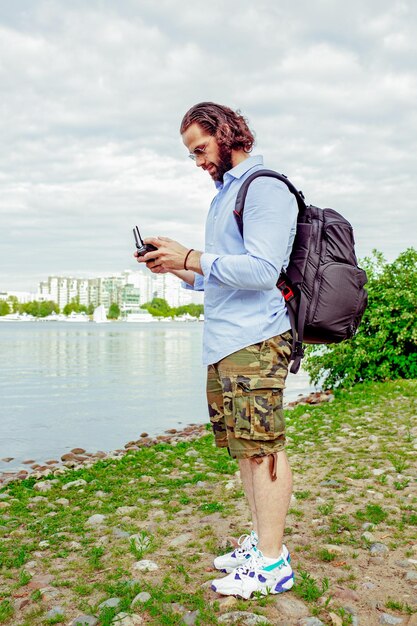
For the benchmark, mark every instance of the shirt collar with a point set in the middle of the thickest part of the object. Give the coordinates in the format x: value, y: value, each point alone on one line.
x: 241, y: 169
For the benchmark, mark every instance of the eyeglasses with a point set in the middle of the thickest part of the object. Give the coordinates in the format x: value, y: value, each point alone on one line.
x: 198, y: 152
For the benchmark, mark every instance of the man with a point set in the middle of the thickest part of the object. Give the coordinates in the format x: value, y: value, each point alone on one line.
x: 247, y: 343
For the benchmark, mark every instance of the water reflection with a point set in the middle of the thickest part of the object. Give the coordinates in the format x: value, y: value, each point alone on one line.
x: 98, y: 386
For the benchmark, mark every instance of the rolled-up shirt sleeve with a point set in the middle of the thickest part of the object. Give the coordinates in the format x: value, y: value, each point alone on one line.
x: 198, y: 283
x: 269, y: 221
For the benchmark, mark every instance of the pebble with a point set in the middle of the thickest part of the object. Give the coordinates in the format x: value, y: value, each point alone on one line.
x: 243, y: 619
x: 145, y: 566
x: 190, y: 617
x: 330, y: 483
x: 95, y: 520
x: 45, y: 485
x: 335, y: 619
x: 124, y: 619
x: 227, y: 603
x: 181, y: 540
x: 291, y: 607
x: 54, y: 612
x: 192, y: 453
x: 143, y: 596
x: 126, y: 510
x: 111, y: 603
x: 85, y: 620
x: 386, y: 618
x: 346, y: 595
x: 310, y: 621
x: 378, y: 549
x: 120, y: 534
x: 62, y: 501
x: 411, y: 576
x: 369, y: 537
x: 74, y: 483
x: 369, y: 586
x: 333, y: 549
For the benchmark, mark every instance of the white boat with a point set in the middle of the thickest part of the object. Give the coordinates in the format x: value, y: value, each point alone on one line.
x: 140, y: 316
x: 78, y: 317
x: 99, y: 315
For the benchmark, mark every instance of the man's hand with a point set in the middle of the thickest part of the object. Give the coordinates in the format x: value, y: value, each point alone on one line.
x: 169, y: 257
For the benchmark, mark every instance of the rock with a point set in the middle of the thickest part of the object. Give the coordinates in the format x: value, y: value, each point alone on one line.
x: 386, y: 618
x: 330, y: 483
x: 181, y: 540
x: 74, y: 483
x: 148, y: 479
x: 189, y: 618
x: 111, y: 603
x: 142, y: 597
x: 310, y: 621
x: 333, y: 549
x: 126, y: 510
x: 336, y: 619
x: 368, y: 526
x: 411, y: 576
x: 346, y: 595
x: 78, y: 451
x: 378, y: 472
x: 44, y: 544
x: 145, y: 566
x: 192, y: 453
x: 378, y: 549
x: 45, y: 485
x: 242, y: 618
x: 124, y: 619
x: 368, y: 537
x: 62, y: 501
x: 227, y: 603
x: 120, y: 534
x: 85, y: 620
x: 291, y: 607
x: 40, y: 580
x: 95, y: 520
x: 54, y: 612
x: 74, y: 545
x: 369, y: 586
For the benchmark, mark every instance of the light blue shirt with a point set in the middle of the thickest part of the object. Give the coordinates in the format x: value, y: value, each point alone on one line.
x: 242, y: 304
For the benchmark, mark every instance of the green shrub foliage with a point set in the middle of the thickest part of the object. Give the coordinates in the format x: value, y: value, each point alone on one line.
x: 385, y: 346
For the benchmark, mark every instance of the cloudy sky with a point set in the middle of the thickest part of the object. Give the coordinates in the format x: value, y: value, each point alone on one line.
x: 93, y: 93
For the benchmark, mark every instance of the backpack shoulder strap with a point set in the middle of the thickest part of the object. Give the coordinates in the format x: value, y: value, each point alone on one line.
x: 241, y: 196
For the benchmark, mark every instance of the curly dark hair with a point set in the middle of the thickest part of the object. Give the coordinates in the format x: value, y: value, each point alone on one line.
x: 229, y: 127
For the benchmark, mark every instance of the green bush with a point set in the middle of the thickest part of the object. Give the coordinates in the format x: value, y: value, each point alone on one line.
x: 385, y: 346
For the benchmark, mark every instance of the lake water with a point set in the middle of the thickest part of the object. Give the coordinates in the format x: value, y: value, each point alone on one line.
x: 98, y: 386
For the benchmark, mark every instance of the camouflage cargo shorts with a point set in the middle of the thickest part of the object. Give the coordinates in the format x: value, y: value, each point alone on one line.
x: 245, y: 397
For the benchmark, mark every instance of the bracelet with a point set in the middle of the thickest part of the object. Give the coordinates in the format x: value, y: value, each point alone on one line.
x: 186, y: 257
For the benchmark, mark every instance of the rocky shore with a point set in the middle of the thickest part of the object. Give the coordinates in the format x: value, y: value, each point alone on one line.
x: 79, y: 457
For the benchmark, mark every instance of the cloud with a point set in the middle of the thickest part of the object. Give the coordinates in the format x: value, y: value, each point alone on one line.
x: 94, y: 94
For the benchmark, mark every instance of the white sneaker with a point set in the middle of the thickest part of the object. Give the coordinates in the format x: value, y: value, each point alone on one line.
x: 228, y: 562
x: 256, y: 575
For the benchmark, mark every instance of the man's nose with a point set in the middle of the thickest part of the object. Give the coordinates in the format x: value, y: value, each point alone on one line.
x: 200, y: 159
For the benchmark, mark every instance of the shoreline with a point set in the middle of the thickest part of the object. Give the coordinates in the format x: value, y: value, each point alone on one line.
x: 79, y: 457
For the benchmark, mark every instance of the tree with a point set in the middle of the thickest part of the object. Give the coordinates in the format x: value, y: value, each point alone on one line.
x: 158, y: 307
x: 114, y: 311
x: 74, y: 306
x: 4, y: 308
x: 385, y: 346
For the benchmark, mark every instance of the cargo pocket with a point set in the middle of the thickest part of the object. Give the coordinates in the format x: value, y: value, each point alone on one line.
x: 257, y: 408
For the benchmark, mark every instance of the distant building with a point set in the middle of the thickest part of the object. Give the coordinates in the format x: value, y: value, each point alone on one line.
x: 129, y: 289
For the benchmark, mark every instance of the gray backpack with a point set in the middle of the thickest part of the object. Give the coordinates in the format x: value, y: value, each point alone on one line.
x: 323, y: 287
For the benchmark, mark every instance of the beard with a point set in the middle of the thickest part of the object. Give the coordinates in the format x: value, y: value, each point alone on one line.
x: 225, y: 162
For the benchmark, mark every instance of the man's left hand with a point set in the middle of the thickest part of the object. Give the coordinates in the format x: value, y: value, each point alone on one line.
x: 169, y: 256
